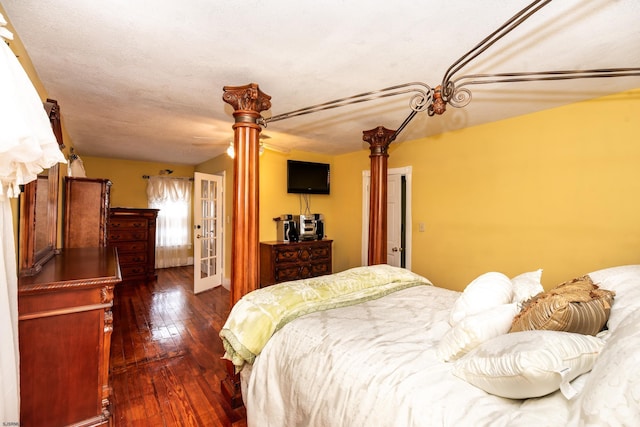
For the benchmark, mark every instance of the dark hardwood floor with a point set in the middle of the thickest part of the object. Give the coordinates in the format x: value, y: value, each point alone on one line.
x: 166, y: 362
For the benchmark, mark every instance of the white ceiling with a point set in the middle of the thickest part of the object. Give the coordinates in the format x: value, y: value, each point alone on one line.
x: 143, y: 80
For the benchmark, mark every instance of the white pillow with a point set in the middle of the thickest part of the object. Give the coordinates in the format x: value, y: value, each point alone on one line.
x: 611, y: 394
x: 625, y: 282
x: 526, y: 286
x: 484, y: 292
x: 475, y: 329
x: 528, y: 364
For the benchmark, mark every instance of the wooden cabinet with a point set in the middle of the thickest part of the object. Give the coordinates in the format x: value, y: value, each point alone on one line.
x: 65, y: 325
x: 284, y: 261
x: 86, y: 209
x: 133, y: 232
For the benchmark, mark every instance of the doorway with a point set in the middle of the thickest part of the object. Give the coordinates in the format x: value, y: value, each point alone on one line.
x: 208, y: 238
x: 398, y: 216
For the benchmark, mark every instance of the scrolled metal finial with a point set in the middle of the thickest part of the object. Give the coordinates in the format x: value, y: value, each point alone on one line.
x: 421, y: 101
x: 457, y: 96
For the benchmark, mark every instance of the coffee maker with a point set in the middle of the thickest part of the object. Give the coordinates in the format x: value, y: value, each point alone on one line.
x: 286, y: 228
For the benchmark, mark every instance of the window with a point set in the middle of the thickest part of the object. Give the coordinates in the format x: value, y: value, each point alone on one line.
x: 173, y: 228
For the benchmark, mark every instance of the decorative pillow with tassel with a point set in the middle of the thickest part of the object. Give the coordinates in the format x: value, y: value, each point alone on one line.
x: 577, y: 305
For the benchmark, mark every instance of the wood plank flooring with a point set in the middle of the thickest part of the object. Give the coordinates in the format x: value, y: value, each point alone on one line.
x: 166, y: 362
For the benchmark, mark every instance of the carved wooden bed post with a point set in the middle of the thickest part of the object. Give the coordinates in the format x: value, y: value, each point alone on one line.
x: 248, y: 101
x: 379, y: 140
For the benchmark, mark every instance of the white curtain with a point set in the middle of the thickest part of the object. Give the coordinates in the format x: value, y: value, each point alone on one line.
x: 9, y: 356
x: 173, y: 227
x: 27, y: 146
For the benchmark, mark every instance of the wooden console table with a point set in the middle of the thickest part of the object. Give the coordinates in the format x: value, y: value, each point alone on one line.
x: 65, y: 325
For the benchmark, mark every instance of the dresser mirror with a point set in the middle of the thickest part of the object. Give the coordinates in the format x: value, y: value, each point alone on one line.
x: 39, y: 209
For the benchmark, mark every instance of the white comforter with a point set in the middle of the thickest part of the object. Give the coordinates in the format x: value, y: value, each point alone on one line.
x: 308, y: 374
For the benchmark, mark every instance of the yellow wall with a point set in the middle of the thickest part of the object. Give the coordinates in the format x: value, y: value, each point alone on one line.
x: 23, y: 57
x: 553, y: 190
x: 556, y: 190
x: 346, y: 186
x: 129, y: 189
x: 274, y: 200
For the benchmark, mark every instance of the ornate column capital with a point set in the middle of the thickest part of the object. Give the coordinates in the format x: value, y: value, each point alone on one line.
x: 379, y: 140
x: 246, y: 98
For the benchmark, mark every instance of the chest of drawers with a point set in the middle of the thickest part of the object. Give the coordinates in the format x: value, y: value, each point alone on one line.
x: 284, y: 261
x: 65, y: 324
x: 133, y: 232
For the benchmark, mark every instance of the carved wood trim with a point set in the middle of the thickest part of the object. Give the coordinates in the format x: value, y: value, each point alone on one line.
x: 78, y: 309
x: 72, y: 284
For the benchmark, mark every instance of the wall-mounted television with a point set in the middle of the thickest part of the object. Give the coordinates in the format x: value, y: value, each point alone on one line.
x: 307, y: 177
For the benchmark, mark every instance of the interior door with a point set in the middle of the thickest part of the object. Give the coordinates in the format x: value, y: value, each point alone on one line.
x: 207, y: 233
x: 398, y: 216
x: 394, y: 220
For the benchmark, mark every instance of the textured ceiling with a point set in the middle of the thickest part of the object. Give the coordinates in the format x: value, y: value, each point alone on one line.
x: 143, y: 80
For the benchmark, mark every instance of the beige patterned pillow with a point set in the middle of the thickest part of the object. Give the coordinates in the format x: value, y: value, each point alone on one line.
x: 577, y: 306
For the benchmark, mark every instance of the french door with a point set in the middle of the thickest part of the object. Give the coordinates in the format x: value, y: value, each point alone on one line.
x: 207, y: 231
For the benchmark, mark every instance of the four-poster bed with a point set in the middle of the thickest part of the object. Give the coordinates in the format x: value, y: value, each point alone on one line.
x: 377, y: 345
x: 248, y: 101
x: 395, y: 360
x: 370, y: 353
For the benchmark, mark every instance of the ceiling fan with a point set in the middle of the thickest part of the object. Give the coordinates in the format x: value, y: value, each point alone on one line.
x: 230, y: 151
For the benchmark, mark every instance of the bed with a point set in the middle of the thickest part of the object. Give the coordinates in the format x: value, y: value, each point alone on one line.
x: 407, y: 353
x: 381, y: 346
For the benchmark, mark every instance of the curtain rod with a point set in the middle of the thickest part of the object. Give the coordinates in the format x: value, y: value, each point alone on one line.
x: 173, y: 177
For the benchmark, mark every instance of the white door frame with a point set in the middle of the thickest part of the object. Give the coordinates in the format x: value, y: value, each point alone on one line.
x: 366, y: 179
x: 210, y: 281
x: 226, y: 283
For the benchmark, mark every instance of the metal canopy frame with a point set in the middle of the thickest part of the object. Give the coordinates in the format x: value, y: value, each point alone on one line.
x: 455, y: 91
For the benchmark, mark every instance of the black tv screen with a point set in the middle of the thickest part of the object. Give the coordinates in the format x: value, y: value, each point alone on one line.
x: 307, y: 177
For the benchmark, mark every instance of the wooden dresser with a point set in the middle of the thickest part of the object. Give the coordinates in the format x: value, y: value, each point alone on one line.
x: 65, y: 325
x: 284, y: 261
x: 86, y: 208
x: 133, y: 232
